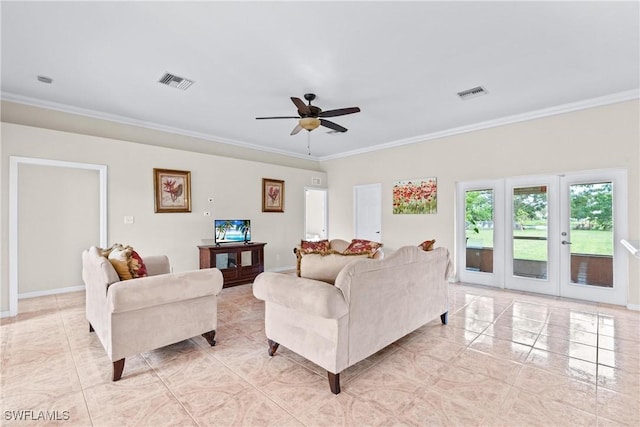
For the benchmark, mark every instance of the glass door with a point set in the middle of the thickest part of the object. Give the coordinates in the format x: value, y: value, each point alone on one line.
x: 481, y: 242
x: 532, y: 252
x: 593, y: 223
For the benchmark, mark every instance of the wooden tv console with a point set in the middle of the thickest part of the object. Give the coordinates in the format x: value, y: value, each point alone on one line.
x: 239, y: 262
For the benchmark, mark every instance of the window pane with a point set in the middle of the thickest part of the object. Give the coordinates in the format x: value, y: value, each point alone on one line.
x: 479, y: 230
x: 530, y: 249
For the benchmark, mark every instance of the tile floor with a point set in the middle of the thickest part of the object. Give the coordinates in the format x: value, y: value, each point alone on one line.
x: 505, y: 359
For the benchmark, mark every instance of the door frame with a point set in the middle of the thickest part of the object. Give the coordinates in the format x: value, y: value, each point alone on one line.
x: 14, y: 166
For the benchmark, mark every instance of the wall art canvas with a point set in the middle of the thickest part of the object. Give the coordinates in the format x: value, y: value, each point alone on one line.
x: 416, y: 196
x: 172, y: 190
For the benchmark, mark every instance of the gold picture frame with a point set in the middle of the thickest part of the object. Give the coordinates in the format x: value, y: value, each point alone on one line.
x: 172, y: 190
x: 272, y: 195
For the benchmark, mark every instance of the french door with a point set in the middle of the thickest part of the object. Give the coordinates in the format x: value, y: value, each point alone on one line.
x: 554, y: 234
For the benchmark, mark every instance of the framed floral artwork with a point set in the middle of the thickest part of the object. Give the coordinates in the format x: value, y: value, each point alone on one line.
x: 272, y: 195
x: 416, y: 196
x: 172, y: 190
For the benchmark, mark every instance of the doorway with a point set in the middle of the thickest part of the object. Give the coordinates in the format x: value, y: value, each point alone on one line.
x: 315, y: 214
x: 555, y: 234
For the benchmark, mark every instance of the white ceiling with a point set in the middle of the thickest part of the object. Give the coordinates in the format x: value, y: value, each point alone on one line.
x: 402, y: 63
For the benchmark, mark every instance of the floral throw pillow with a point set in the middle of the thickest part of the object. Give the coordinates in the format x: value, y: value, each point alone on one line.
x: 361, y: 246
x: 314, y: 247
x: 427, y: 245
x: 127, y: 263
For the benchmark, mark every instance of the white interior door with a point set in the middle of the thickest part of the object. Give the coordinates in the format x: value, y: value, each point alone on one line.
x: 594, y: 220
x: 367, y: 212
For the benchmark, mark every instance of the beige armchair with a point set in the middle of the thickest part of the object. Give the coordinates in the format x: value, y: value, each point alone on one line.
x: 142, y: 314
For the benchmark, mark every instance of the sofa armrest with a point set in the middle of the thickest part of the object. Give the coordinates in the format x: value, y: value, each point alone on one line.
x: 311, y: 296
x: 157, y: 264
x: 152, y: 291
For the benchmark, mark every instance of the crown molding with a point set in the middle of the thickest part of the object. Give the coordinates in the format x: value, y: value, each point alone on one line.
x: 516, y: 118
x: 65, y: 108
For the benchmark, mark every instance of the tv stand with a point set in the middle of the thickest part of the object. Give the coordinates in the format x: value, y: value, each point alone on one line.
x: 239, y: 262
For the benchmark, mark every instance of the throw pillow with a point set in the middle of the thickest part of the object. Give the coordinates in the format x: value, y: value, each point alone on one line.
x: 314, y: 247
x: 127, y: 263
x: 427, y: 245
x: 361, y: 246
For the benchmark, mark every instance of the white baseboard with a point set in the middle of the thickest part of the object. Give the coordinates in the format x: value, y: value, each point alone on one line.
x: 635, y: 307
x: 281, y: 269
x: 5, y: 314
x: 50, y: 292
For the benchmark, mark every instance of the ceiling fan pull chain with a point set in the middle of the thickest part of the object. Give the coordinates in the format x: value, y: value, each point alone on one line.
x: 309, y: 142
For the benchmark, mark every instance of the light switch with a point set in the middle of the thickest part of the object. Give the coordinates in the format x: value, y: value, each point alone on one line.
x: 129, y: 219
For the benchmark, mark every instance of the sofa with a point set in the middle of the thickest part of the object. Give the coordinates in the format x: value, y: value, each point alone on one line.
x: 139, y: 314
x: 372, y: 303
x: 323, y: 260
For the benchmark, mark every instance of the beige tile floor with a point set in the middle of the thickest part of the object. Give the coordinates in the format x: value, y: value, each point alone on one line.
x: 505, y: 359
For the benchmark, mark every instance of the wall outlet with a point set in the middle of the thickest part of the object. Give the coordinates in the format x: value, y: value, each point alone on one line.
x: 207, y: 213
x: 129, y: 219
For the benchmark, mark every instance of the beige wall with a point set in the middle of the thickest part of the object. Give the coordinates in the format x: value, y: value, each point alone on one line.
x: 598, y: 138
x: 234, y: 184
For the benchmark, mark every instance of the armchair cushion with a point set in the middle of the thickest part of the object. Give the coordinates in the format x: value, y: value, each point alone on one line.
x: 163, y: 289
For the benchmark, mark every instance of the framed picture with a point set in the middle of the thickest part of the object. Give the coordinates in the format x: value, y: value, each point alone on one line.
x: 416, y: 196
x: 172, y: 190
x: 272, y: 195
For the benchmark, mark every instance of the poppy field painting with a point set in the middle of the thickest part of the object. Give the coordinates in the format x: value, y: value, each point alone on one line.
x: 416, y: 196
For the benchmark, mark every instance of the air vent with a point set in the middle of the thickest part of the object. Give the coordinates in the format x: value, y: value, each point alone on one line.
x: 472, y: 93
x: 175, y: 81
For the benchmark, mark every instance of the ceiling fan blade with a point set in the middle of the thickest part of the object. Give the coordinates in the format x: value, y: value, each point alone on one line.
x: 331, y: 125
x: 287, y: 117
x: 339, y: 112
x: 302, y: 107
x: 296, y: 129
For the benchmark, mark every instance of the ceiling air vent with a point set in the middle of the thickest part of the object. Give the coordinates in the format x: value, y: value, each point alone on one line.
x: 472, y: 93
x: 175, y: 81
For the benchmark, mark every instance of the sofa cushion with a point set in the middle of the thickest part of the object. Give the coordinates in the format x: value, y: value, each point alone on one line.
x: 427, y: 245
x: 362, y: 247
x: 325, y: 267
x: 314, y: 247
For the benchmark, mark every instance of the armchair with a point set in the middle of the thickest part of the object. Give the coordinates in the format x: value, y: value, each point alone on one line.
x: 141, y: 314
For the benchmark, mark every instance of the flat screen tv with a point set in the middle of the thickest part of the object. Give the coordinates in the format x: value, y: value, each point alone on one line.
x: 232, y: 230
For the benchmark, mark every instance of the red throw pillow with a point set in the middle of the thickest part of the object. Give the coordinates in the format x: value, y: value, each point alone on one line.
x: 361, y: 246
x: 314, y: 247
x: 136, y: 261
x: 427, y: 245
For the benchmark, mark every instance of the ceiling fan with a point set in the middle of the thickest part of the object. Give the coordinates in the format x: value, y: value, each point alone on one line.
x: 310, y: 116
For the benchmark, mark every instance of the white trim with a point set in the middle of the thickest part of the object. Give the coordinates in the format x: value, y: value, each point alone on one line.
x: 36, y: 294
x: 635, y: 307
x: 14, y: 163
x: 532, y: 115
x: 281, y: 269
x: 545, y: 112
x: 5, y: 314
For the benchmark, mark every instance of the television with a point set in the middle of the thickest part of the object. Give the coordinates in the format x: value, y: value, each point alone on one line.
x: 231, y: 231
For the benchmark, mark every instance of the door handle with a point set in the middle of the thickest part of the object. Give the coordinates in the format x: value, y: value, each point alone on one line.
x: 564, y: 242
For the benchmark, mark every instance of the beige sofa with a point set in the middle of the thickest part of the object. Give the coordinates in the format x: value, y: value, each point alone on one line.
x: 325, y: 267
x: 374, y: 303
x: 137, y: 315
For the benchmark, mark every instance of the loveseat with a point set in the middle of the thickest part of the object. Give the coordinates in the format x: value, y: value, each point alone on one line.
x: 373, y: 303
x: 323, y: 260
x: 144, y: 313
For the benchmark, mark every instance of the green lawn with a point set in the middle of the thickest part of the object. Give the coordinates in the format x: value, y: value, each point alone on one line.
x: 582, y: 242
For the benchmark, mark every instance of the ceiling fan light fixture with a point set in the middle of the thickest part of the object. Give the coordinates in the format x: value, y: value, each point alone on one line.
x: 309, y: 123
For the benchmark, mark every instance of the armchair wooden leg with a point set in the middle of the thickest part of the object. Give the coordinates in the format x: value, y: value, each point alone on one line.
x: 209, y: 336
x: 91, y: 328
x: 444, y: 317
x: 273, y: 346
x: 334, y: 382
x: 118, y: 367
